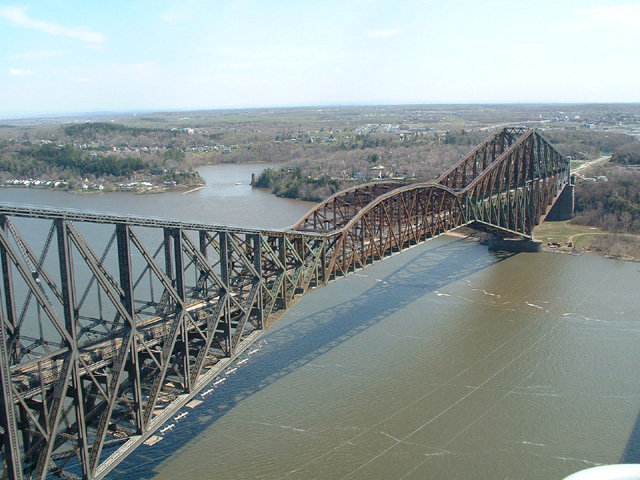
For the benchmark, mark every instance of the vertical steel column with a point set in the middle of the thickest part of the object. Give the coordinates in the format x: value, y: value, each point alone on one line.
x: 224, y: 273
x: 383, y: 233
x: 9, y: 298
x: 203, y: 285
x: 535, y: 177
x: 11, y: 446
x: 257, y: 264
x: 282, y: 253
x: 9, y: 330
x: 540, y: 182
x: 323, y: 264
x: 168, y: 264
x: 182, y: 317
x: 126, y: 283
x: 298, y: 244
x: 70, y: 317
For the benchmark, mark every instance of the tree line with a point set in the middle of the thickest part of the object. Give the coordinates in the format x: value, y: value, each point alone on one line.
x: 627, y: 154
x: 93, y: 129
x: 613, y: 205
x: 291, y: 183
x: 32, y: 161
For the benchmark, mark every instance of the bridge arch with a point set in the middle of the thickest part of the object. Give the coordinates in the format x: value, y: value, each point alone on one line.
x: 391, y: 222
x: 337, y: 210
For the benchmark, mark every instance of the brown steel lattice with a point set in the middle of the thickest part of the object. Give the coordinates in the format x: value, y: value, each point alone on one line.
x: 111, y: 324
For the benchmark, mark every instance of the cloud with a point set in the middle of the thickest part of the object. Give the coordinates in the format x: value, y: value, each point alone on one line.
x: 598, y: 18
x: 618, y: 15
x: 271, y: 63
x: 174, y: 15
x: 19, y: 72
x: 41, y: 55
x: 384, y: 33
x: 19, y: 17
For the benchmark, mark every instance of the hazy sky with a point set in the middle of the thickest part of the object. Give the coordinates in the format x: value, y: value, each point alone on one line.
x: 79, y: 56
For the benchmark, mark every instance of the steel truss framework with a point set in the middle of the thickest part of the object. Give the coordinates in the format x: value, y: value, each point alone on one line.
x: 506, y: 184
x: 111, y: 324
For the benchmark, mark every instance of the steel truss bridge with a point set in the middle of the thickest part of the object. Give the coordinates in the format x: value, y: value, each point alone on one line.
x: 111, y: 324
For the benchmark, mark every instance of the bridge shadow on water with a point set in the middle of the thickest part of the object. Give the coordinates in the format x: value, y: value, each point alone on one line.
x: 632, y: 450
x: 293, y: 343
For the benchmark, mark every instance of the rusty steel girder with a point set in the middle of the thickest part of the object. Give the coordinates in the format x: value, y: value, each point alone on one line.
x: 506, y: 185
x: 479, y: 159
x: 516, y: 191
x: 396, y: 220
x: 336, y: 211
x: 111, y: 324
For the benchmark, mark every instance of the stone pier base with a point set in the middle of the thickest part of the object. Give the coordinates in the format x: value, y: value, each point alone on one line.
x: 563, y: 208
x: 510, y: 245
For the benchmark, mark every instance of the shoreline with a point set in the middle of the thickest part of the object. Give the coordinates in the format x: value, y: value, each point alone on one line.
x: 578, y: 253
x: 556, y: 247
x: 194, y: 189
x: 91, y: 191
x: 155, y: 188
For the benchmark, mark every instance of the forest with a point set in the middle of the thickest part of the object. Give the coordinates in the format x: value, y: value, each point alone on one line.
x: 89, y: 131
x: 34, y: 161
x: 612, y: 205
x: 290, y: 183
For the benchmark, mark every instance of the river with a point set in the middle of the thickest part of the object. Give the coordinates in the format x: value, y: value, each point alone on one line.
x: 445, y: 361
x: 227, y: 198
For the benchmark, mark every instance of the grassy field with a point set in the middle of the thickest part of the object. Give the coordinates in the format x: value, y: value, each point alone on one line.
x: 567, y: 237
x: 564, y: 232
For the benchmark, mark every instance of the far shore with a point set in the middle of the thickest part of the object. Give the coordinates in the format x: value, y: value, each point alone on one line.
x: 89, y: 191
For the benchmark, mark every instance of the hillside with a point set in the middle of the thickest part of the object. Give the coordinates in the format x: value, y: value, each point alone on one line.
x: 318, y: 149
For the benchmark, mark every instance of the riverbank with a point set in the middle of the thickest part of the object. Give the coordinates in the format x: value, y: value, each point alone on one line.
x: 567, y: 237
x: 85, y: 188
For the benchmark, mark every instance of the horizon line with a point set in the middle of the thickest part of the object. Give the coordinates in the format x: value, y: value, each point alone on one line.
x: 51, y: 115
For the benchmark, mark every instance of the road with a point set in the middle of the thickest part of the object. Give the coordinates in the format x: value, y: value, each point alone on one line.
x: 591, y: 163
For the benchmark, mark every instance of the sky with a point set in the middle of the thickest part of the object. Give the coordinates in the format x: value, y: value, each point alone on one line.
x: 79, y: 56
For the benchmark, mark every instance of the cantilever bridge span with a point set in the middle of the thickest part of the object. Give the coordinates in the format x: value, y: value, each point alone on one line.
x: 111, y: 324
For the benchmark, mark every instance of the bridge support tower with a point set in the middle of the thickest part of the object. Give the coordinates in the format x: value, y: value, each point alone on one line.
x: 564, y: 206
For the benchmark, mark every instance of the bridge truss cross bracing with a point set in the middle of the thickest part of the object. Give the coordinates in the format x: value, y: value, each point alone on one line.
x: 111, y: 324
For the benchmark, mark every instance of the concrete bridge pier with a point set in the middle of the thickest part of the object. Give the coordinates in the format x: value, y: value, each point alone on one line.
x: 563, y: 208
x: 513, y: 245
